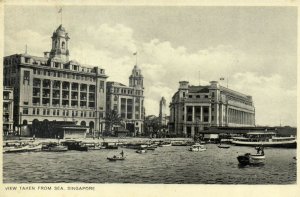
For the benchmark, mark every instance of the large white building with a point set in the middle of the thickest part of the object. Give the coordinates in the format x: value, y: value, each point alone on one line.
x: 196, y: 108
x: 54, y: 88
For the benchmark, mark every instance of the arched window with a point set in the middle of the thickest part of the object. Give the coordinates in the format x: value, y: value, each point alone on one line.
x: 83, y: 123
x: 25, y: 122
x: 91, y: 125
x: 63, y: 45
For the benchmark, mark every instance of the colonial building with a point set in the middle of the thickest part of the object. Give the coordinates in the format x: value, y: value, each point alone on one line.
x: 8, y: 106
x: 163, y: 111
x: 54, y: 88
x: 197, y: 108
x: 128, y: 101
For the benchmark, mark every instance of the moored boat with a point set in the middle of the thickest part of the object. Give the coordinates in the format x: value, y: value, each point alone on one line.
x: 75, y: 145
x: 164, y: 144
x: 197, y: 148
x: 25, y: 148
x: 226, y: 146
x: 266, y: 139
x: 179, y: 143
x: 54, y: 147
x: 141, y: 151
x: 92, y: 145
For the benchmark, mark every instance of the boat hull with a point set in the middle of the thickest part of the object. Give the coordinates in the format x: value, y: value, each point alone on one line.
x: 291, y: 144
x: 249, y: 159
x: 197, y: 149
x: 23, y: 149
x: 116, y: 158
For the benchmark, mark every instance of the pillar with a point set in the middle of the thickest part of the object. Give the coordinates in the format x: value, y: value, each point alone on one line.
x: 51, y: 92
x: 41, y: 92
x: 70, y: 93
x: 60, y: 94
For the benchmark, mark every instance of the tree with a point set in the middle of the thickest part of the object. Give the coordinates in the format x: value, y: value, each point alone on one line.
x: 152, y: 125
x: 112, y: 119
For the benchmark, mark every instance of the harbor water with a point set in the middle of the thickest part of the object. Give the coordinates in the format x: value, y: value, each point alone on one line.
x: 174, y: 164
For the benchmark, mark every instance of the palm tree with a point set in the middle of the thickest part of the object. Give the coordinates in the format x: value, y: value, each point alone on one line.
x: 112, y: 118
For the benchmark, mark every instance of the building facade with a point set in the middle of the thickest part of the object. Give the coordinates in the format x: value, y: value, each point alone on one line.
x: 197, y: 108
x: 163, y: 111
x: 128, y: 101
x: 8, y: 108
x: 54, y: 88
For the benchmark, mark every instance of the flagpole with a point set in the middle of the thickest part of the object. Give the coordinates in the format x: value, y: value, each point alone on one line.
x: 61, y: 16
x: 135, y: 54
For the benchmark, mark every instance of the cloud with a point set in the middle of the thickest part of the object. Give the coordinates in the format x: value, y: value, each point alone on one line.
x: 36, y: 43
x: 273, y: 102
x: 164, y: 65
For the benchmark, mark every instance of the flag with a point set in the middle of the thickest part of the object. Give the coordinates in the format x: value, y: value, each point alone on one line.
x: 222, y: 78
x: 60, y: 10
x: 135, y: 53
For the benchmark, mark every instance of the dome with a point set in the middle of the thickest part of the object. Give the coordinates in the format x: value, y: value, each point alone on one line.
x: 60, y: 28
x: 61, y: 31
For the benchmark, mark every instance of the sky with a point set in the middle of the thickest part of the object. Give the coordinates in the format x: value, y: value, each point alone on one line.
x: 255, y: 48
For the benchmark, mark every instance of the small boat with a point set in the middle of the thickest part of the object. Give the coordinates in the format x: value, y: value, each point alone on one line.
x: 165, y: 144
x: 75, y: 145
x: 224, y: 146
x: 141, y: 151
x: 115, y: 158
x: 54, y: 147
x: 25, y: 148
x: 92, y: 146
x: 150, y: 148
x: 251, y: 159
x: 197, y: 148
x: 179, y: 143
x: 110, y: 145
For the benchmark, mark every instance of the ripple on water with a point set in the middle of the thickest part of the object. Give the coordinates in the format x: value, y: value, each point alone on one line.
x: 164, y: 165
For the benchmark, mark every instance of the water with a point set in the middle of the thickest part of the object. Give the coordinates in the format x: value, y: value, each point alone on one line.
x: 164, y: 165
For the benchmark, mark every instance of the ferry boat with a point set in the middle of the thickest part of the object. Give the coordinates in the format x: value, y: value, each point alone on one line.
x: 266, y: 139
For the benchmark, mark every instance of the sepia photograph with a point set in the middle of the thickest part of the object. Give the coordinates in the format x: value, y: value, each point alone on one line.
x: 189, y: 95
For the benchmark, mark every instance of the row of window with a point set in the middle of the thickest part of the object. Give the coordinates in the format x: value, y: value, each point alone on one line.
x: 63, y: 75
x: 126, y: 91
x: 58, y: 112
